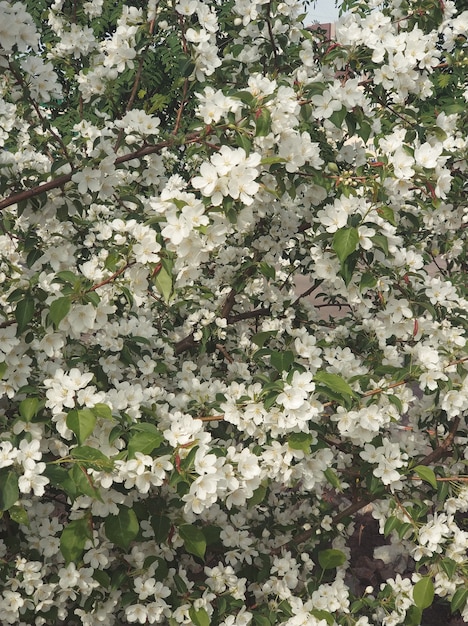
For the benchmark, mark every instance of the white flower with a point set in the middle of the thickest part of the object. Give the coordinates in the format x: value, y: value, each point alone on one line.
x: 87, y: 180
x: 29, y: 453
x: 427, y: 155
x: 325, y: 105
x: 8, y: 454
x: 32, y: 480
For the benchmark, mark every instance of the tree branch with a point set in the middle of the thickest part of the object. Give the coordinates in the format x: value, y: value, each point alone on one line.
x: 354, y: 507
x: 66, y: 178
x: 232, y: 319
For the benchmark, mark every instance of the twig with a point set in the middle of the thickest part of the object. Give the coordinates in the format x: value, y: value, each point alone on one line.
x: 136, y: 83
x: 445, y: 479
x: 110, y: 278
x: 434, y: 456
x: 66, y: 178
x: 224, y: 352
x: 185, y: 344
x: 211, y: 418
x: 374, y: 392
x: 131, y: 100
x: 7, y: 323
x: 442, y: 448
x: 229, y: 303
x: 45, y: 122
x: 232, y: 319
x: 271, y: 36
x: 181, y: 109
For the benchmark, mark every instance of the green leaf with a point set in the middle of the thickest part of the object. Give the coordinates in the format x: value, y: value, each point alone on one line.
x: 33, y: 256
x: 404, y: 528
x: 267, y: 270
x: 144, y: 442
x: 364, y: 131
x: 258, y: 496
x: 332, y: 478
x: 427, y: 474
x: 329, y: 559
x: 67, y: 277
x: 391, y: 524
x: 92, y: 458
x: 103, y: 411
x: 59, y: 477
x: 18, y: 514
x: 180, y: 584
x: 395, y: 400
x: 261, y: 620
x: 164, y: 280
x: 459, y: 599
x: 123, y: 528
x: 263, y: 123
x: 423, y: 592
x: 24, y: 313
x: 323, y: 615
x: 145, y: 427
x: 413, y: 616
x: 259, y: 339
x: 59, y: 309
x: 337, y: 117
x: 282, y: 361
x: 3, y: 369
x: 28, y: 408
x: 74, y: 537
x: 449, y: 566
x: 194, y: 540
x: 243, y: 142
x: 367, y: 281
x: 161, y: 570
x: 199, y: 617
x: 300, y: 441
x: 388, y: 214
x: 82, y: 423
x: 348, y: 267
x: 161, y: 526
x: 83, y: 484
x: 381, y: 242
x: 245, y: 96
x: 345, y: 242
x: 102, y: 577
x: 273, y: 160
x: 9, y: 492
x: 335, y: 383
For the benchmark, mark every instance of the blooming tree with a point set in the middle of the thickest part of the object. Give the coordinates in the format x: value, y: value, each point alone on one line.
x: 234, y: 311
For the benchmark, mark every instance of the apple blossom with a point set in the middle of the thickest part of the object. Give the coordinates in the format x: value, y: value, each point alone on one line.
x: 233, y: 262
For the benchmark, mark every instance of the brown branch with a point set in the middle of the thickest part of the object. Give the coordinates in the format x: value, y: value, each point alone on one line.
x: 442, y: 449
x: 271, y: 36
x: 210, y: 418
x: 224, y: 352
x: 44, y: 121
x: 66, y: 178
x: 229, y: 303
x: 354, y: 507
x: 232, y: 319
x: 109, y: 279
x: 136, y: 83
x: 131, y: 100
x: 445, y: 479
x: 375, y: 392
x: 7, y: 323
x: 185, y: 344
x: 181, y: 109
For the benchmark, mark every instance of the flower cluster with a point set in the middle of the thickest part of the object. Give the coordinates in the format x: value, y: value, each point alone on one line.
x: 234, y: 312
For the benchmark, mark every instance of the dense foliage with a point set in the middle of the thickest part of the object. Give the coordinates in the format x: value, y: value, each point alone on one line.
x: 233, y: 261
